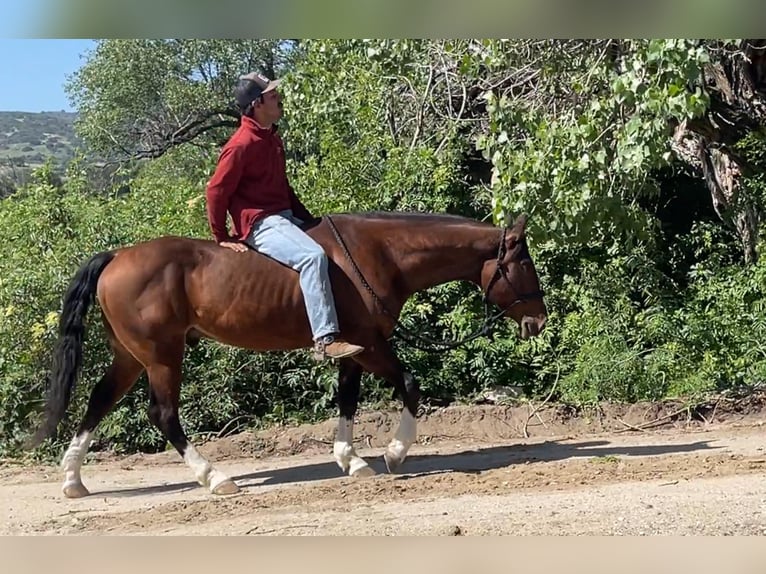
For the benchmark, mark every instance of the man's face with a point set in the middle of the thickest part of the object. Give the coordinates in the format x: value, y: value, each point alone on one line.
x: 271, y: 106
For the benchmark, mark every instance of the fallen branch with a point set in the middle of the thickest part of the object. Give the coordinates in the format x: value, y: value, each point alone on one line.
x: 541, y: 405
x: 630, y: 426
x: 254, y: 528
x: 642, y: 427
x: 712, y: 415
x: 226, y: 428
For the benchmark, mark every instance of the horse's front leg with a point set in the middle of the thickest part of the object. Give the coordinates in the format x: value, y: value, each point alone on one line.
x: 349, y: 377
x: 407, y: 433
x: 384, y: 363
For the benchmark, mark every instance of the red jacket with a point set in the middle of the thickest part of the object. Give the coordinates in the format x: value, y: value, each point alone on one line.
x: 250, y: 182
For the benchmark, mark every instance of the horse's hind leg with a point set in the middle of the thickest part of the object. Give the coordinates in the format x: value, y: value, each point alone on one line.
x: 349, y: 377
x: 164, y: 371
x: 118, y: 379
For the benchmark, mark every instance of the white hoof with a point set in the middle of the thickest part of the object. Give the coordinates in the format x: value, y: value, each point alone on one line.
x: 75, y: 490
x: 228, y: 486
x: 393, y: 462
x: 363, y: 472
x: 344, y: 465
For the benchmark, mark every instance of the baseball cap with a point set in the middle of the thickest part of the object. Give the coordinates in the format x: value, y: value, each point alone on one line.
x: 251, y: 86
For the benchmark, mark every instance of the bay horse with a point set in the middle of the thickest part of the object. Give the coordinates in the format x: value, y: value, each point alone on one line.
x: 160, y: 295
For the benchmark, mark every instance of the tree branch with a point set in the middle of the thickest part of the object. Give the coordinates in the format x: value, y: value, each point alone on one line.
x: 161, y: 137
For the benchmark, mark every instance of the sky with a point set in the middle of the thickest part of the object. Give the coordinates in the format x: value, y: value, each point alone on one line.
x: 33, y: 73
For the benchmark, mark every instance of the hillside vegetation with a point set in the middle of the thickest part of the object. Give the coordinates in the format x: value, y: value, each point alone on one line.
x: 641, y: 164
x: 29, y: 140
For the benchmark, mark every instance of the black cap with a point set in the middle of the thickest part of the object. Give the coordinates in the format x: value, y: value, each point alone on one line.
x: 251, y: 86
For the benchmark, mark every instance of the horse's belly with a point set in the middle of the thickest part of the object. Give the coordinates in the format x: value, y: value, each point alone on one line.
x: 264, y: 318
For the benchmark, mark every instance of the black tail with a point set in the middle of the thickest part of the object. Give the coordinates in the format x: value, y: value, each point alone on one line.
x: 67, y: 355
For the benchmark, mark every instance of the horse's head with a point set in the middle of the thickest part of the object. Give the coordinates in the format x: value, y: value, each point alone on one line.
x: 510, y: 281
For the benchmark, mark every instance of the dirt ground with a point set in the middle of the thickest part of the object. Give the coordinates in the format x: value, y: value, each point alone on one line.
x: 646, y: 469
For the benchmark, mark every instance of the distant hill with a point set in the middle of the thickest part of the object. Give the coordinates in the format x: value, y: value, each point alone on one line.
x: 29, y: 139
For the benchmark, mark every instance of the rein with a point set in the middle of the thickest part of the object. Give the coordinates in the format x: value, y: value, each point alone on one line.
x: 412, y: 338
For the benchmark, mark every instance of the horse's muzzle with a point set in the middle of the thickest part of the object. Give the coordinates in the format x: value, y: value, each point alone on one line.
x: 532, y: 326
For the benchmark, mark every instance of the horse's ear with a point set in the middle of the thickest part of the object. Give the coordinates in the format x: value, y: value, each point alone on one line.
x: 516, y: 233
x: 519, y: 224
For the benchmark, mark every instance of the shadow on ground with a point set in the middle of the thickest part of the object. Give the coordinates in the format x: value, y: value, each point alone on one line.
x: 468, y: 461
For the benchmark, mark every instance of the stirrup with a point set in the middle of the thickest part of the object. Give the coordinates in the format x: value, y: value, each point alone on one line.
x: 347, y: 349
x: 319, y: 347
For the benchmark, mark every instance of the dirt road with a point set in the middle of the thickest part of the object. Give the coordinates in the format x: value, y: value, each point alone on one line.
x: 472, y: 473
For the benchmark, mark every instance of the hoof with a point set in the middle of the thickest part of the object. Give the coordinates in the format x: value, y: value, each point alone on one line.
x: 392, y: 463
x: 75, y: 490
x: 363, y: 472
x: 228, y: 486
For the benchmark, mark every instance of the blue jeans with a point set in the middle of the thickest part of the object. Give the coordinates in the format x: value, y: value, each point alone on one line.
x: 279, y: 237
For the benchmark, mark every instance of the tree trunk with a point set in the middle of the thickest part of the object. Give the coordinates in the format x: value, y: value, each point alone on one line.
x: 736, y: 83
x: 724, y: 181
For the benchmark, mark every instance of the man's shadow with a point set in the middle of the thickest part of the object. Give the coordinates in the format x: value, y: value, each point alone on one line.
x: 468, y: 461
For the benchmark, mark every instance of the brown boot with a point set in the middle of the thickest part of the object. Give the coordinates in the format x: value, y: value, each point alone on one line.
x: 330, y: 347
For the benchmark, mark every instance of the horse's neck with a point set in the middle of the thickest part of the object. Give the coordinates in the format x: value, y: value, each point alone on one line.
x: 441, y: 254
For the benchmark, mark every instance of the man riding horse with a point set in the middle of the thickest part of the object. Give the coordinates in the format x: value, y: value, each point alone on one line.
x: 250, y: 183
x: 157, y: 295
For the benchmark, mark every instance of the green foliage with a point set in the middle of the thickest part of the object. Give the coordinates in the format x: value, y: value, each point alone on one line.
x: 345, y: 146
x: 752, y: 149
x: 582, y: 167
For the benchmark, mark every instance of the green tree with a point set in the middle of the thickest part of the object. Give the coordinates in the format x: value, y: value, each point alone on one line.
x: 139, y: 98
x: 725, y: 145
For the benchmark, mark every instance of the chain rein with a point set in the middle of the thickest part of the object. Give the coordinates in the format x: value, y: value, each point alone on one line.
x: 410, y: 337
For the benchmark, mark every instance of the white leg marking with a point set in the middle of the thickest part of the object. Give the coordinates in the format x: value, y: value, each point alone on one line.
x: 404, y: 438
x: 71, y: 464
x: 343, y: 450
x: 206, y: 475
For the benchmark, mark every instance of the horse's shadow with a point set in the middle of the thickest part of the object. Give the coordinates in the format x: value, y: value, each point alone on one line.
x: 468, y: 461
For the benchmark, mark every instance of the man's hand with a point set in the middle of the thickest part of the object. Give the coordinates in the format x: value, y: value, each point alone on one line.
x: 234, y: 246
